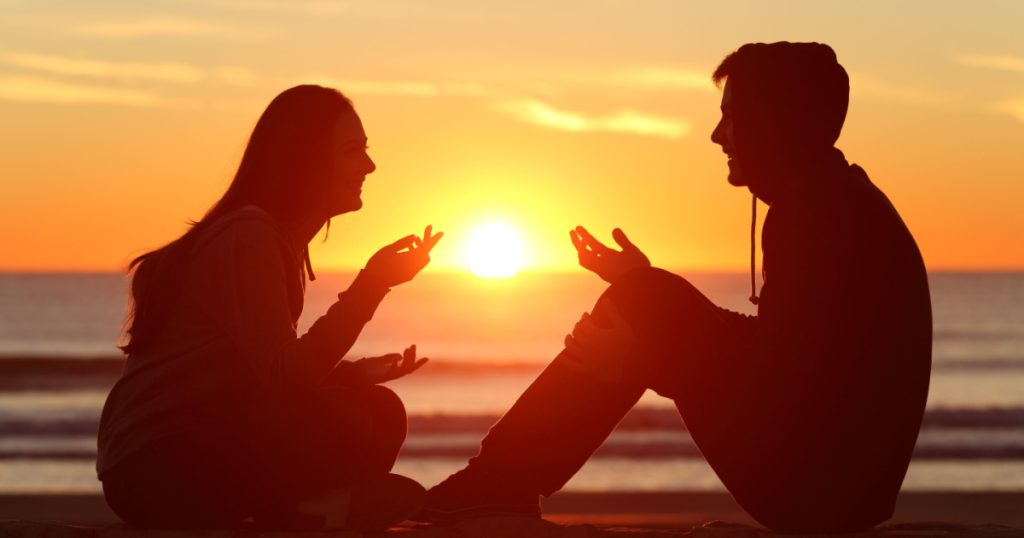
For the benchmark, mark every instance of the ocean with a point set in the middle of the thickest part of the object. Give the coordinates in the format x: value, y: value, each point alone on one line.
x: 487, y: 339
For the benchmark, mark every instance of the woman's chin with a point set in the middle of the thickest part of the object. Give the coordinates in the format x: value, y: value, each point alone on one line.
x: 347, y: 206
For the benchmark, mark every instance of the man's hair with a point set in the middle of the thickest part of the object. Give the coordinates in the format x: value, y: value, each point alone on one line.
x: 802, y: 82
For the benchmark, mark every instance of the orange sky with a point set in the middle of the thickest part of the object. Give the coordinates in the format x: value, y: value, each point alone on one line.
x: 119, y: 123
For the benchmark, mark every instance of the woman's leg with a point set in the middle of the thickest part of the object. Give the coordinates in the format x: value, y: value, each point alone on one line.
x: 352, y: 440
x: 179, y: 483
x: 390, y: 427
x: 264, y: 464
x: 338, y: 438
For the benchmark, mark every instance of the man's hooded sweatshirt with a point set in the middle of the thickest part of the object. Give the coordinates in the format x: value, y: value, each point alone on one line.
x: 841, y: 341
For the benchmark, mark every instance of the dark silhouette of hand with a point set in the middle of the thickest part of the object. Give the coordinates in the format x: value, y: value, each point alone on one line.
x: 391, y: 366
x: 607, y: 263
x: 602, y: 348
x: 400, y: 261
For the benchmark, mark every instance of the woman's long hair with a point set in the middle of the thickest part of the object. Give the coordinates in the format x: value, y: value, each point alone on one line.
x: 284, y: 170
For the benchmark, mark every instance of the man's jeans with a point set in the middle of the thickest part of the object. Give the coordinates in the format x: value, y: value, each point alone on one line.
x: 762, y: 443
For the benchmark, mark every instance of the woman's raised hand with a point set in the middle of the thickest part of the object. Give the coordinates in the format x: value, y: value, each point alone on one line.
x: 400, y: 261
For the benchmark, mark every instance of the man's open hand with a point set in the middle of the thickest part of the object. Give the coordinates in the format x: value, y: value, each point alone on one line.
x: 607, y: 263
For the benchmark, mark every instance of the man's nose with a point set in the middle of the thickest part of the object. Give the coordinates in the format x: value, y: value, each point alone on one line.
x: 716, y: 135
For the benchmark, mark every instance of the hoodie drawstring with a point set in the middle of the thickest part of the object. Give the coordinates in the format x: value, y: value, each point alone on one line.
x: 754, y: 299
x: 309, y: 266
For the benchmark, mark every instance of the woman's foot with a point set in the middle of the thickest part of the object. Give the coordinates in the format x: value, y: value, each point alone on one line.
x: 330, y: 510
x: 372, y: 505
x: 383, y: 501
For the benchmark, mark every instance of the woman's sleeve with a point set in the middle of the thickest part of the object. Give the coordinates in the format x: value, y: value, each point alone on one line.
x: 253, y: 306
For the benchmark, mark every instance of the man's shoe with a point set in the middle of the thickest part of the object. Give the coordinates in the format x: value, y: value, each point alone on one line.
x: 471, y: 494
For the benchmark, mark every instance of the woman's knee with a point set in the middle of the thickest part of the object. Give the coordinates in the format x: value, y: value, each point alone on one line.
x: 389, y: 428
x: 388, y: 413
x: 385, y: 403
x: 367, y: 425
x: 364, y: 409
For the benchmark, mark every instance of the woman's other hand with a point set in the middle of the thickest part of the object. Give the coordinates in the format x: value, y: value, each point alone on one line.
x: 400, y: 261
x: 391, y: 366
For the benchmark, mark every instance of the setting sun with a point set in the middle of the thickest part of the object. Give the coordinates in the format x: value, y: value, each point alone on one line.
x: 494, y: 250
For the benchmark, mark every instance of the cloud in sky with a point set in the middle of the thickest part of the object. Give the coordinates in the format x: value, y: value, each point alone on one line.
x: 309, y: 7
x: 68, y: 66
x: 1013, y: 107
x: 624, y: 121
x: 41, y: 90
x: 376, y: 88
x: 236, y: 76
x: 528, y: 110
x: 171, y: 27
x: 992, y: 61
x: 319, y: 8
x: 164, y: 72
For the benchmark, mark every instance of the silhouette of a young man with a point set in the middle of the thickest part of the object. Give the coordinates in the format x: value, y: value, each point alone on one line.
x: 808, y: 411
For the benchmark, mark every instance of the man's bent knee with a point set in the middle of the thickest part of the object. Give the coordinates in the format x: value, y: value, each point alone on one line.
x: 648, y: 281
x: 655, y: 298
x: 653, y: 288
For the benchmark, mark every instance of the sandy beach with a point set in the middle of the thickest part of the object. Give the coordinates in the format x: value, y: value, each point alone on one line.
x: 677, y: 513
x: 933, y: 512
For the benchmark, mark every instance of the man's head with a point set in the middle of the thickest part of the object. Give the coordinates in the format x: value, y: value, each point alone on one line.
x: 783, y: 106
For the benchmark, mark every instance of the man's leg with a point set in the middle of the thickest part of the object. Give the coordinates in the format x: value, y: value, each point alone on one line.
x: 770, y: 428
x: 553, y: 428
x: 565, y: 415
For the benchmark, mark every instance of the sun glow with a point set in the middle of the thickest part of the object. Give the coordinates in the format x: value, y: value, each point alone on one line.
x: 494, y: 250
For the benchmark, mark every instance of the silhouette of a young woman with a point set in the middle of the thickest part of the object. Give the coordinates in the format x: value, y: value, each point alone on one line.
x: 223, y: 412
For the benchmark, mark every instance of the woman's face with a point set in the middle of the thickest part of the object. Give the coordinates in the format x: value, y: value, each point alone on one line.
x: 351, y: 164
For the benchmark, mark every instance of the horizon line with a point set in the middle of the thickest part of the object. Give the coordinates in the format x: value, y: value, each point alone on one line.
x: 524, y: 272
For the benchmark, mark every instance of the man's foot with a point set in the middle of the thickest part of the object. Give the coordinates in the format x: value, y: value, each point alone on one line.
x: 470, y: 494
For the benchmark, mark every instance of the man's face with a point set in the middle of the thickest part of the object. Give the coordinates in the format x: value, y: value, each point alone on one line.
x: 724, y: 135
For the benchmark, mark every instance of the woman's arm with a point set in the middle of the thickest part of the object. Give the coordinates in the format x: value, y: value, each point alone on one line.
x: 255, y: 292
